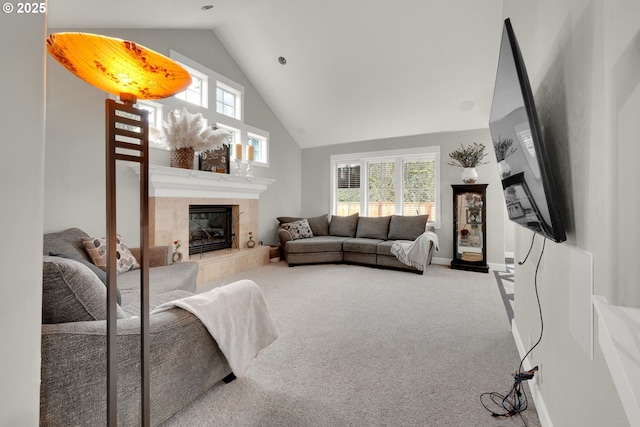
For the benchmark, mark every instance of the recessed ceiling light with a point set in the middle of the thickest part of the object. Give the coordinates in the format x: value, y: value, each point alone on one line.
x: 282, y: 60
x: 207, y: 7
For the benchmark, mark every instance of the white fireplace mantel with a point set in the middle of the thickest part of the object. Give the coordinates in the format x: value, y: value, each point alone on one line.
x: 166, y: 181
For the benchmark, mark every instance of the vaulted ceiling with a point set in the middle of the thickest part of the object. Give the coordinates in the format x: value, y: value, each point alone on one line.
x: 356, y: 69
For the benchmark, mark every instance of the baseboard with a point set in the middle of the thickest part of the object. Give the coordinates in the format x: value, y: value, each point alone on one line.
x: 511, y: 255
x: 541, y: 407
x: 441, y: 261
x: 497, y: 266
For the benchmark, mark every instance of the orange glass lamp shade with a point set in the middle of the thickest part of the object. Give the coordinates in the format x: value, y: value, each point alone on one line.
x: 118, y: 66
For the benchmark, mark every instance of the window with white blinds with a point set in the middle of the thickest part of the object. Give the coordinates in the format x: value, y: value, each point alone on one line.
x: 396, y: 182
x: 348, y: 188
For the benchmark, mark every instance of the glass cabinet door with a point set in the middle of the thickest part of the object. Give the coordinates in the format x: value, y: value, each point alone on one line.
x: 469, y: 227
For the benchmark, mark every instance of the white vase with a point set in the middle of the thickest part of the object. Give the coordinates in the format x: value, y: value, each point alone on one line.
x: 469, y: 175
x: 504, y: 168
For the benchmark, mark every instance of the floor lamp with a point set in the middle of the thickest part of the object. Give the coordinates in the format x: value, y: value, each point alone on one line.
x: 131, y: 72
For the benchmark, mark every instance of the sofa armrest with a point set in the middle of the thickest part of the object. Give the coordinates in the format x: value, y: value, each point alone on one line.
x: 284, y: 236
x: 185, y: 361
x: 158, y: 255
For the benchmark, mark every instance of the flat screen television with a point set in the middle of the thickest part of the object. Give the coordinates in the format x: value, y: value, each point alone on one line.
x: 522, y: 158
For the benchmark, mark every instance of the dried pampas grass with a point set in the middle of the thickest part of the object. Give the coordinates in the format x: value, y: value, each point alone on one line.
x: 187, y: 130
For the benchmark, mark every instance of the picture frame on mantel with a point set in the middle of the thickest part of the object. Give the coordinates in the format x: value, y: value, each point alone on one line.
x: 215, y: 160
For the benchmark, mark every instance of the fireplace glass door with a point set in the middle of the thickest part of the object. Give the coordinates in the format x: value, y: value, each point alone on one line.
x: 210, y: 228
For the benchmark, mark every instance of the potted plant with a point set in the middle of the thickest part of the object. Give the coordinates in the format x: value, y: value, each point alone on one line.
x: 184, y: 133
x: 503, y: 148
x: 468, y: 158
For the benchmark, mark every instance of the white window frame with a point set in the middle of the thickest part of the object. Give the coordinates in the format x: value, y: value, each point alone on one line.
x: 236, y: 124
x: 400, y: 155
x: 263, y: 137
x: 157, y: 113
x: 237, y: 95
x: 204, y: 88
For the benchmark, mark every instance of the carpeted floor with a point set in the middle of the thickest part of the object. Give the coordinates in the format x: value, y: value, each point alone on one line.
x: 360, y: 346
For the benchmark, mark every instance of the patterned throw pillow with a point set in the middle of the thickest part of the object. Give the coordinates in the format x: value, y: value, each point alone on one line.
x: 298, y: 229
x: 97, y: 250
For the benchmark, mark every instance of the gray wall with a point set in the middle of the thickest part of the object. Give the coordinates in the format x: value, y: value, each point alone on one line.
x: 316, y: 191
x: 584, y: 67
x: 21, y: 185
x: 74, y: 170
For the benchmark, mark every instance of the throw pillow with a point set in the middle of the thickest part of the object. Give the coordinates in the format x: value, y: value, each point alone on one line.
x: 319, y: 224
x: 298, y: 229
x: 102, y: 275
x: 373, y: 227
x: 344, y: 226
x: 407, y: 227
x: 72, y: 293
x: 97, y: 249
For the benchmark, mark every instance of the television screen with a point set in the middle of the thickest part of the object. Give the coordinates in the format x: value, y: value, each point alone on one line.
x: 522, y: 159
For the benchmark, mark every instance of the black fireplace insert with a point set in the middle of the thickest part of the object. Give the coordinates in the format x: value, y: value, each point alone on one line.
x: 210, y: 228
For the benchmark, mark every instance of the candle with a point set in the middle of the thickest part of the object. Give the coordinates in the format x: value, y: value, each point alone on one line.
x: 239, y: 151
x: 250, y: 152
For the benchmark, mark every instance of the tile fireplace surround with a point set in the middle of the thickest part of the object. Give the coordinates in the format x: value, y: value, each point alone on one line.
x: 172, y: 190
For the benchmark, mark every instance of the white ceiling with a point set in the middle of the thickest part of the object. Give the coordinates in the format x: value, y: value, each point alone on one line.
x: 356, y: 69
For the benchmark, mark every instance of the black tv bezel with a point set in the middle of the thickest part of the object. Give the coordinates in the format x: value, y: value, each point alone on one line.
x: 557, y: 232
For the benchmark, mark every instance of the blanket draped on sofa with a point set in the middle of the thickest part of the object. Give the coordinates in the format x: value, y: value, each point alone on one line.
x: 237, y: 318
x: 415, y: 253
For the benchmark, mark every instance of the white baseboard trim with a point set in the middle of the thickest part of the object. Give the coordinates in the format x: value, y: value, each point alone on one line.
x: 497, y: 267
x: 440, y: 261
x: 511, y: 255
x: 541, y: 407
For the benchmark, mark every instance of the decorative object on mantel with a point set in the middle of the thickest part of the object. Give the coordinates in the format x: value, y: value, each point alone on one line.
x: 215, y: 160
x: 177, y: 256
x: 251, y: 243
x: 186, y: 133
x: 503, y: 150
x: 250, y: 157
x: 468, y: 158
x: 238, y: 156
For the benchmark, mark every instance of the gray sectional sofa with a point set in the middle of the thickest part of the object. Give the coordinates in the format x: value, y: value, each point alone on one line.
x: 185, y: 360
x: 350, y: 239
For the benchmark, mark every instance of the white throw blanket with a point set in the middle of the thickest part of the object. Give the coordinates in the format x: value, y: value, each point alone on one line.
x: 237, y: 318
x: 415, y: 253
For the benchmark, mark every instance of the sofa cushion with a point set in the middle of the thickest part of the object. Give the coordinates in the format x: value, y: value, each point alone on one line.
x: 361, y: 245
x: 66, y: 242
x: 102, y: 275
x: 373, y: 227
x: 298, y: 229
x: 178, y: 276
x: 407, y: 227
x: 97, y: 250
x: 317, y: 244
x: 344, y: 226
x: 72, y: 293
x: 319, y: 224
x: 384, y: 248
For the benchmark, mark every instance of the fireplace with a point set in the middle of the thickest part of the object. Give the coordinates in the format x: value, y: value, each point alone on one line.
x: 210, y: 228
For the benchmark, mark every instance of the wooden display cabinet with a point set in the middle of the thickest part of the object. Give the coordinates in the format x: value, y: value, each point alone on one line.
x: 470, y: 228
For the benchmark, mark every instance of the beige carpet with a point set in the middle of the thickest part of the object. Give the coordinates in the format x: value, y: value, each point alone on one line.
x: 361, y: 346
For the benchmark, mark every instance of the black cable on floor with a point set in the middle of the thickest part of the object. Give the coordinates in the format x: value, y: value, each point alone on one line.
x: 515, y: 401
